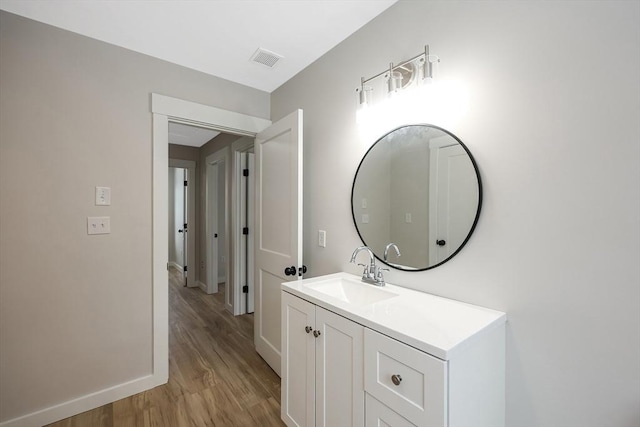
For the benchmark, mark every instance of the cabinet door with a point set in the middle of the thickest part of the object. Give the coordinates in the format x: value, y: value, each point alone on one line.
x: 339, y: 371
x: 297, y: 364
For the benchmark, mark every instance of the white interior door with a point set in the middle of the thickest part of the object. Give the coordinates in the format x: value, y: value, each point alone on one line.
x: 457, y: 200
x: 183, y: 207
x: 184, y: 228
x: 212, y: 229
x: 278, y: 158
x: 176, y: 218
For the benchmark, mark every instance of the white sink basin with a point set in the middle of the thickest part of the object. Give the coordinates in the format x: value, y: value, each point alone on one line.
x: 351, y: 291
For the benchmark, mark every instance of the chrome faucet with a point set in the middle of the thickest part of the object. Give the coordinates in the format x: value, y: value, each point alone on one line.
x: 386, y: 250
x: 372, y: 273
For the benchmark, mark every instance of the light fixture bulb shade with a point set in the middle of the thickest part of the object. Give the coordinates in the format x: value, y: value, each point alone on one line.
x: 429, y: 68
x: 364, y: 96
x: 394, y: 83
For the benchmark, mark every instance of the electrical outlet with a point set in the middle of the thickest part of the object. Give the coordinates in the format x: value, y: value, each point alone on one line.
x: 103, y: 196
x: 322, y: 238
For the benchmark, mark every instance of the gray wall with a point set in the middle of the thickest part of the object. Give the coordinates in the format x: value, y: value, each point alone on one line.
x: 554, y: 125
x: 75, y: 310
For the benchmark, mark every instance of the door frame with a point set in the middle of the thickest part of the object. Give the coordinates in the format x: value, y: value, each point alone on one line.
x: 238, y: 147
x: 190, y: 250
x: 165, y: 109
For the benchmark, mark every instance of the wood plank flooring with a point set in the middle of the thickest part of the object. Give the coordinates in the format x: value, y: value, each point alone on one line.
x: 216, y: 378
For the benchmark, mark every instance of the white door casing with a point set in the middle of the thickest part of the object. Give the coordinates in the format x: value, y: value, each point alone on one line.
x: 241, y: 277
x: 165, y: 109
x: 250, y: 242
x: 245, y: 214
x: 278, y: 236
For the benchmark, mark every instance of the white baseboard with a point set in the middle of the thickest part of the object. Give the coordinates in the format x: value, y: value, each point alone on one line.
x: 176, y: 266
x: 200, y: 285
x: 85, y: 403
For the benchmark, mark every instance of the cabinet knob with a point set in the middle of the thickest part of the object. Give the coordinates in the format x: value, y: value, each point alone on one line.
x: 316, y: 333
x: 308, y: 329
x: 396, y: 379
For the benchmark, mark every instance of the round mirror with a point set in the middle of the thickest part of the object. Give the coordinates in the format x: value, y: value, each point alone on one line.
x: 417, y: 192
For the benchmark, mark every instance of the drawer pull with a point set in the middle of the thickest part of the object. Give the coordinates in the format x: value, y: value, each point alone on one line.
x: 308, y: 329
x: 396, y: 379
x: 316, y: 333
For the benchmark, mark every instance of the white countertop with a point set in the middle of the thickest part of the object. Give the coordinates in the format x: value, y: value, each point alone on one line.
x: 435, y: 325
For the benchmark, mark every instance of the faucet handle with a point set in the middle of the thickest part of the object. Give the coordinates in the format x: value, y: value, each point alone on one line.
x: 379, y: 271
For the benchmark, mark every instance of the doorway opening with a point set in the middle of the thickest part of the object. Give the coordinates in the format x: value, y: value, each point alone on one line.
x: 223, y: 228
x: 165, y: 110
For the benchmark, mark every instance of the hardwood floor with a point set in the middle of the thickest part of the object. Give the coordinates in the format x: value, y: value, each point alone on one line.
x: 216, y: 378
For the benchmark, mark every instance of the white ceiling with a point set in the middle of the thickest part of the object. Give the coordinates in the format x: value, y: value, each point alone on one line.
x: 217, y: 37
x: 192, y: 136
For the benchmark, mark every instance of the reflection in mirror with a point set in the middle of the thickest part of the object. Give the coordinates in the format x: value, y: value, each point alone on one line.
x: 417, y: 187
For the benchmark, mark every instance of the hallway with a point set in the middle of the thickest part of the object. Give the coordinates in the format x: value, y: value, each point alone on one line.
x: 215, y: 376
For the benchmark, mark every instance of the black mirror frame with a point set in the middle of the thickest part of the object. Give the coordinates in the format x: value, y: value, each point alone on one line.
x: 475, y: 220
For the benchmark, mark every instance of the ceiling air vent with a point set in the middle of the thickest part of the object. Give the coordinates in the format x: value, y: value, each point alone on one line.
x: 266, y: 58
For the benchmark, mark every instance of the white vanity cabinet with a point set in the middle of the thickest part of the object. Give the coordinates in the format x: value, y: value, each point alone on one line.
x: 322, y: 376
x: 393, y: 357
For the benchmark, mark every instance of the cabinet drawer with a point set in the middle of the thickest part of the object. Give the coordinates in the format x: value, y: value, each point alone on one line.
x: 379, y: 415
x: 409, y: 381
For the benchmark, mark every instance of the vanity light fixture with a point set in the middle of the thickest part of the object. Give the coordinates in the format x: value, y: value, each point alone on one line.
x: 418, y: 70
x: 409, y: 93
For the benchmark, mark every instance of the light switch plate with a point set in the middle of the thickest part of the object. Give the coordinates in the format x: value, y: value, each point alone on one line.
x: 407, y: 218
x: 98, y: 225
x: 103, y: 196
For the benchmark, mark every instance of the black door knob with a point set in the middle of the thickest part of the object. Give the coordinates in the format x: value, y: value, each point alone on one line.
x: 440, y: 242
x: 290, y: 271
